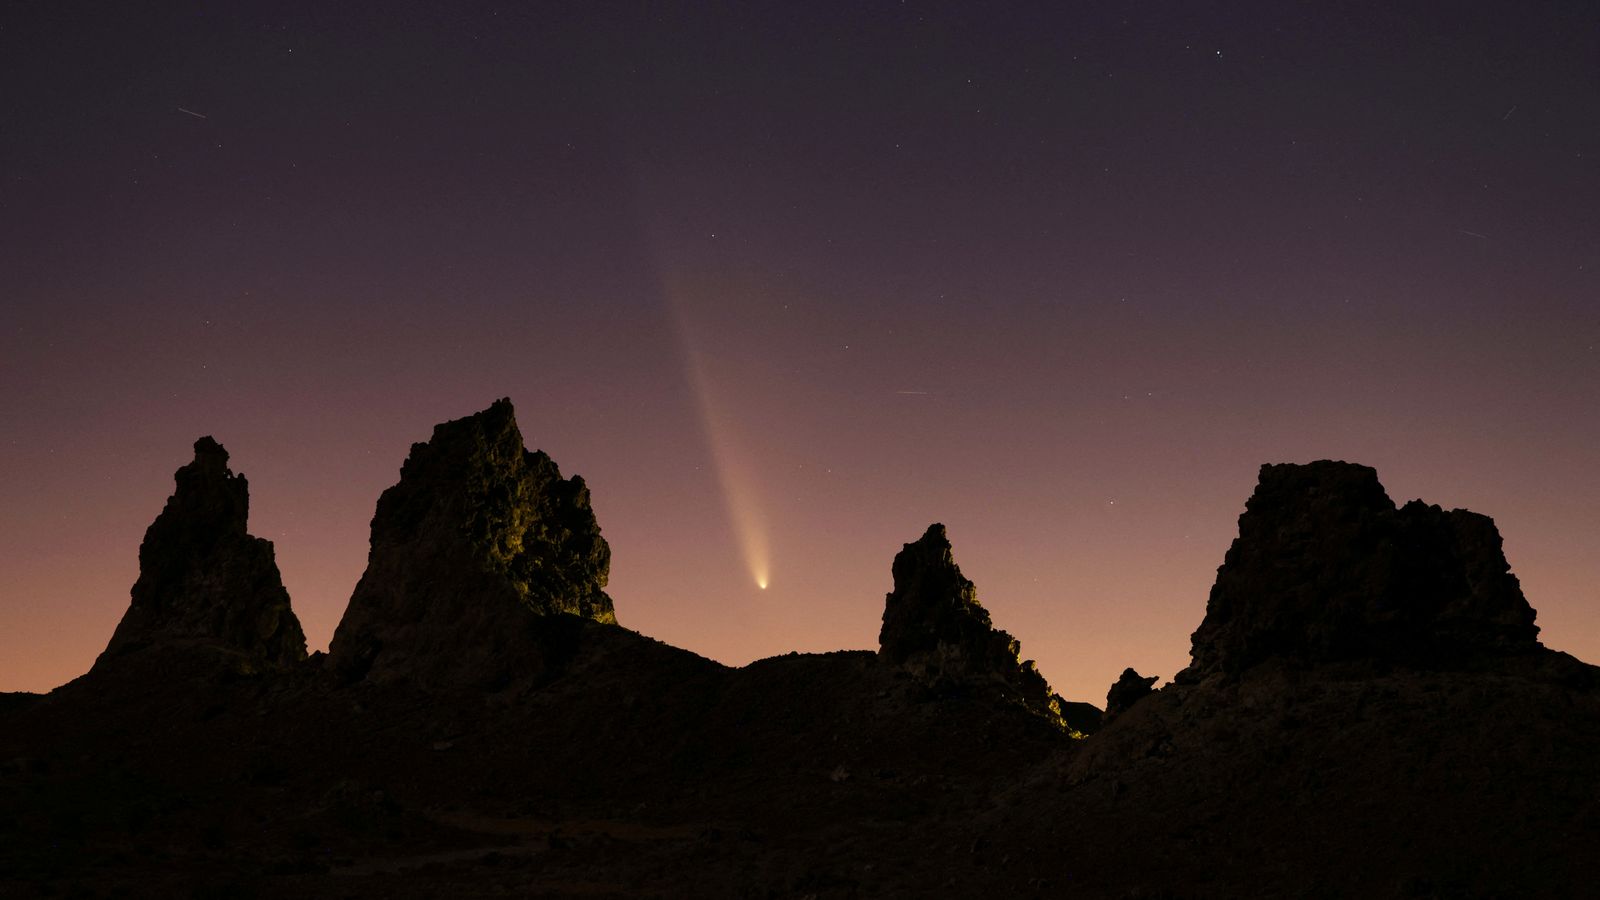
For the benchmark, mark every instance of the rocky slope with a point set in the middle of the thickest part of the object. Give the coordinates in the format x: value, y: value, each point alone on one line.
x: 205, y: 584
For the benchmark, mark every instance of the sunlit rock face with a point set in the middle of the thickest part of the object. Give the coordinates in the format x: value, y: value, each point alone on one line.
x: 1326, y: 568
x: 935, y: 628
x: 204, y: 581
x: 479, y: 540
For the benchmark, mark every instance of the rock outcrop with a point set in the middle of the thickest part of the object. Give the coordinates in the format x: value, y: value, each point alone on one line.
x: 204, y: 581
x: 477, y: 549
x: 1129, y: 689
x: 935, y: 629
x: 1325, y: 568
x: 1084, y: 718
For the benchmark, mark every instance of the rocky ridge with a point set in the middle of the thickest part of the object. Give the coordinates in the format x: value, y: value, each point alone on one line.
x: 204, y: 582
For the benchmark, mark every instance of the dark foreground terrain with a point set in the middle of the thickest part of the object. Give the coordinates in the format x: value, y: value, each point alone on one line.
x: 1368, y: 713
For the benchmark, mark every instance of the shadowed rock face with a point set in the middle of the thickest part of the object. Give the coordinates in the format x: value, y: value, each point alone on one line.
x: 935, y: 628
x: 479, y: 541
x: 203, y: 580
x: 1326, y: 568
x: 1129, y: 689
x: 1084, y: 718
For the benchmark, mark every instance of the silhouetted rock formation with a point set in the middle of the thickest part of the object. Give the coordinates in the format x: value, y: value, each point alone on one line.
x: 1130, y: 688
x: 204, y: 581
x: 618, y: 765
x: 1326, y: 568
x: 935, y: 628
x: 478, y: 541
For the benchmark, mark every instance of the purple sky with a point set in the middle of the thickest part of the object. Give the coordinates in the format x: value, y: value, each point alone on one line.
x: 792, y: 282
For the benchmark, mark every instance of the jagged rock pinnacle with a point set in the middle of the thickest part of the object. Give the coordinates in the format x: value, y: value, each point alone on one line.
x: 1129, y: 689
x: 935, y: 628
x: 1326, y: 568
x: 204, y: 580
x: 479, y: 538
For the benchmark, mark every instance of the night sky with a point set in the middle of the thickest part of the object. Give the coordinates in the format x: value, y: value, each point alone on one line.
x: 787, y: 283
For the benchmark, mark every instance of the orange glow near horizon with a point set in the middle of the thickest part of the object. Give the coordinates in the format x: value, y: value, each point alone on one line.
x: 782, y: 309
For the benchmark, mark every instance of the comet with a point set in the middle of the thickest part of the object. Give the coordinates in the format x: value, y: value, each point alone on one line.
x: 731, y: 461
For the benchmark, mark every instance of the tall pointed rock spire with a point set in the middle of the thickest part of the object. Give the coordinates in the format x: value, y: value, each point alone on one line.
x: 204, y: 581
x: 935, y: 629
x: 479, y: 540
